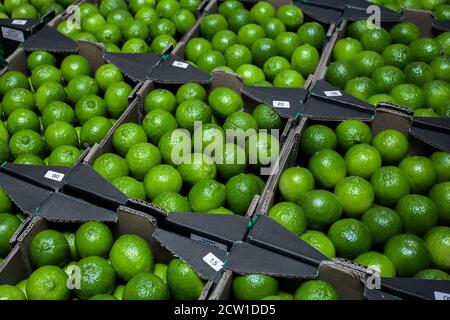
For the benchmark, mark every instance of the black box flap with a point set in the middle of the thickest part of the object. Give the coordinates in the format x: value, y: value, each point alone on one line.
x: 173, y: 69
x: 409, y: 288
x: 207, y: 261
x: 434, y: 131
x: 324, y: 15
x: 442, y: 25
x: 354, y: 14
x: 135, y: 65
x: 245, y: 258
x: 49, y: 39
x: 269, y: 234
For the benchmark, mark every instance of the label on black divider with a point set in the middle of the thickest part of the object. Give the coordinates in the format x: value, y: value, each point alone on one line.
x: 213, y: 261
x: 334, y: 93
x: 12, y: 34
x: 442, y: 295
x: 208, y: 242
x: 19, y: 22
x: 179, y: 64
x: 53, y: 175
x: 281, y: 104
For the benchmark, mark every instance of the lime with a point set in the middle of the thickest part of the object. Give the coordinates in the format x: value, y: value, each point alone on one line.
x: 262, y: 50
x: 266, y: 117
x: 131, y: 255
x: 94, y: 130
x: 137, y: 29
x: 444, y: 40
x: 146, y: 286
x: 419, y: 73
x: 191, y: 5
x: 160, y: 99
x: 316, y: 290
x: 437, y: 241
x: 161, y: 42
x: 286, y: 43
x: 87, y: 8
x: 96, y: 277
x: 188, y: 91
x: 224, y: 102
x: 240, y: 120
x: 322, y: 208
x: 232, y: 161
x: 57, y: 111
x: 312, y: 33
x: 17, y: 98
x: 134, y: 46
x: 249, y: 33
x: 212, y: 24
x: 378, y: 98
x: 196, y: 47
x: 227, y: 7
x: 289, y: 79
x: 237, y: 55
x: 408, y: 95
x: 39, y: 57
x: 362, y: 160
x: 190, y: 112
x: 162, y: 178
x: 431, y: 4
x: 294, y: 183
x: 390, y: 184
x: 172, y: 202
x: 350, y: 238
x: 254, y: 286
x: 377, y: 262
x: 421, y: 173
x: 408, y: 253
x: 262, y: 11
x: 305, y: 59
x: 47, y: 93
x: 26, y: 142
x: 22, y: 286
x: 5, y: 202
x: 130, y: 187
x: 339, y: 73
x: 146, y: 14
x: 93, y: 239
x: 206, y: 195
x: 166, y: 8
x: 367, y: 61
x: 8, y: 226
x: 273, y: 27
x: 64, y: 156
x: 161, y: 26
x: 392, y: 145
x: 317, y: 137
x: 88, y: 107
x: 49, y: 247
x: 127, y: 135
x: 23, y: 119
x: 80, y: 86
x: 424, y: 49
x: 106, y: 75
x: 108, y: 6
x: 13, y: 79
x: 182, y: 281
x: 441, y: 161
x: 290, y: 216
x: 68, y: 28
x: 75, y: 65
x: 250, y: 74
x: 157, y: 122
x: 118, y: 292
x: 442, y: 12
x: 356, y: 29
x: 210, y: 60
x: 116, y: 98
x: 387, y: 77
x: 210, y: 136
x: 327, y: 167
x: 220, y: 210
x: 320, y: 242
x: 437, y: 93
x: 29, y: 159
x: 263, y: 149
x: 376, y: 39
x: 45, y: 73
x: 48, y: 283
x: 273, y: 66
x: 440, y: 195
x: 174, y: 145
x: 355, y: 194
x: 383, y: 224
x: 240, y: 191
x: 111, y: 166
x: 441, y: 68
x: 346, y: 49
x: 418, y: 213
x: 141, y: 157
x: 5, y: 153
x: 432, y: 274
x: 224, y: 39
x: 196, y: 167
x: 361, y: 87
x: 397, y: 55
x: 60, y: 133
x: 405, y: 33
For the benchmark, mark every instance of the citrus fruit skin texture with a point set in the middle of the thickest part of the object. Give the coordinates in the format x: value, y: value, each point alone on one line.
x: 146, y: 286
x: 290, y: 216
x: 254, y: 287
x: 316, y: 290
x: 319, y: 241
x: 183, y: 282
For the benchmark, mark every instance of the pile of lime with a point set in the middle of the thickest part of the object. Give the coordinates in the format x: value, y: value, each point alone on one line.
x: 90, y: 264
x: 49, y: 115
x: 265, y: 287
x: 440, y: 8
x: 134, y: 26
x: 264, y: 45
x: 396, y: 66
x: 9, y: 223
x: 184, y: 147
x: 364, y: 198
x: 33, y: 9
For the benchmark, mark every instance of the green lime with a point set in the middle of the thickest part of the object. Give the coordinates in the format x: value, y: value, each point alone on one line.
x: 22, y: 286
x: 70, y: 237
x: 376, y: 39
x: 159, y: 27
x: 350, y: 238
x: 240, y: 191
x: 93, y: 239
x: 437, y: 93
x: 172, y: 202
x: 273, y: 27
x: 220, y: 210
x: 106, y: 75
x: 146, y: 286
x: 232, y: 161
x: 13, y: 79
x: 206, y: 195
x: 191, y: 5
x: 305, y: 59
x: 339, y: 73
x: 387, y: 77
x: 57, y: 111
x: 162, y: 178
x: 183, y: 19
x: 322, y: 208
x: 118, y: 292
x: 23, y: 119
x: 108, y: 6
x: 47, y: 93
x: 424, y: 49
x: 74, y: 65
x: 127, y: 135
x: 327, y: 167
x: 196, y: 47
x: 254, y: 286
x: 134, y: 46
x: 210, y: 60
x: 362, y: 160
x: 212, y: 24
x: 442, y: 12
x: 355, y: 194
x: 408, y: 95
x: 383, y: 224
x: 161, y: 42
x: 437, y: 241
x: 346, y: 49
x: 367, y: 61
x: 392, y: 145
x: 266, y: 117
x: 39, y: 57
x: 441, y: 68
x: 249, y: 33
x: 195, y: 167
x: 64, y: 156
x: 237, y: 55
x: 141, y: 157
x: 316, y: 290
x: 190, y: 91
x: 432, y: 274
x: 290, y: 216
x: 96, y: 277
x: 312, y: 33
x: 60, y: 133
x: 80, y: 86
x: 227, y: 7
x: 111, y: 166
x: 17, y: 98
x: 262, y: 11
x: 160, y: 99
x: 88, y: 107
x: 183, y: 282
x: 294, y: 183
x: 418, y: 213
x: 390, y: 184
x: 444, y: 40
x: 224, y: 39
x: 317, y: 137
x: 286, y: 43
x: 397, y: 55
x: 5, y: 152
x: 320, y: 242
x: 356, y: 29
x: 48, y: 283
x: 49, y: 247
x: 273, y: 66
x: 45, y: 73
x: 425, y: 113
x: 8, y: 226
x: 289, y: 79
x: 419, y: 73
x: 130, y: 187
x: 26, y: 142
x: 421, y: 173
x: 146, y: 14
x: 377, y: 262
x: 361, y: 87
x: 408, y: 253
x: 405, y: 33
x: 94, y: 130
x: 116, y: 98
x: 29, y: 159
x: 441, y: 161
x: 131, y: 255
x: 440, y: 195
x: 224, y: 102
x: 190, y: 112
x: 157, y: 122
x: 250, y: 74
x: 166, y: 8
x: 174, y: 145
x: 378, y: 98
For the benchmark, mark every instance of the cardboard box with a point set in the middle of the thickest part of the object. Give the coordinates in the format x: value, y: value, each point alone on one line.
x: 425, y: 136
x: 328, y: 18
x: 18, y: 264
x: 423, y: 19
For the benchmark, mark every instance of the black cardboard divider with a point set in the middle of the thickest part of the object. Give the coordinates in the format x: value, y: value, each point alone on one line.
x: 417, y: 288
x: 354, y: 13
x: 324, y: 15
x: 135, y: 66
x: 49, y: 39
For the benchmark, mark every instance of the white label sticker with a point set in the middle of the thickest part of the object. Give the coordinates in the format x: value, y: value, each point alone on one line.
x: 19, y: 22
x: 208, y: 242
x: 335, y: 93
x: 179, y: 64
x: 441, y: 296
x: 12, y: 34
x: 213, y: 261
x: 281, y: 104
x: 53, y: 175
